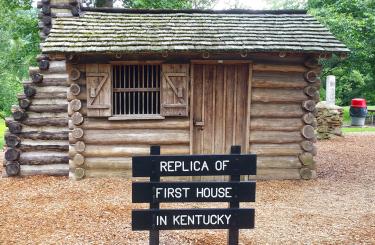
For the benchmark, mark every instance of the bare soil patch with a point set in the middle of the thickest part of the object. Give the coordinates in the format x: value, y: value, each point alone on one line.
x: 336, y: 208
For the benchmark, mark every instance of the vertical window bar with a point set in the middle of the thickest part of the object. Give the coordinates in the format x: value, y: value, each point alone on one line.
x: 122, y: 94
x: 134, y: 93
x: 127, y: 94
x: 138, y: 78
x: 150, y: 83
x: 158, y: 93
x: 119, y: 77
x: 114, y: 85
x: 149, y: 86
x: 146, y: 86
x: 118, y: 95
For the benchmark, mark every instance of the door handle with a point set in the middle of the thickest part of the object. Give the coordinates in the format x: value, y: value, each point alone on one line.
x: 199, y: 124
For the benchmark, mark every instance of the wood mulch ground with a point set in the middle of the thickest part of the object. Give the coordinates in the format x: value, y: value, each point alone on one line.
x: 336, y: 208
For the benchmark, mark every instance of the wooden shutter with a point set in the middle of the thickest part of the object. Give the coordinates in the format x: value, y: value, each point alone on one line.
x: 99, y: 92
x: 174, y: 90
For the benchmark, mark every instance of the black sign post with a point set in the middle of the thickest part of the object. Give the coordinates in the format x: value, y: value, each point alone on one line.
x: 155, y: 205
x: 154, y: 192
x: 234, y: 232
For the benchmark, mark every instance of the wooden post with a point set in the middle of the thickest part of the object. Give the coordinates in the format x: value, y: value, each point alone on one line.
x: 154, y: 234
x: 233, y: 233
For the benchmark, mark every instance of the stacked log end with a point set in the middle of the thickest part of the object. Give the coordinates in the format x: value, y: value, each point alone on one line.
x: 76, y: 112
x: 37, y: 141
x: 329, y: 120
x: 308, y: 169
x: 37, y: 137
x: 283, y: 121
x: 49, y: 9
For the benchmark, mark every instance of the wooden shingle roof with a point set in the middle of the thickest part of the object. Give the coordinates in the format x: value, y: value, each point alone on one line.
x: 153, y: 31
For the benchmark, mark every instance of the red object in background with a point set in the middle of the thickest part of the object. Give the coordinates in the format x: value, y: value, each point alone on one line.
x: 359, y: 103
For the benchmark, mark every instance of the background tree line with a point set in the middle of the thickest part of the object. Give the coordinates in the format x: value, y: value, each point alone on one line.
x: 351, y: 21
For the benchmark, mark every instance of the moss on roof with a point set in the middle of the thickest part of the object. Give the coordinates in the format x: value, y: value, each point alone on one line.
x: 153, y: 31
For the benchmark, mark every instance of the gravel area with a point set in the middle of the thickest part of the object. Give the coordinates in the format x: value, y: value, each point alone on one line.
x: 336, y: 208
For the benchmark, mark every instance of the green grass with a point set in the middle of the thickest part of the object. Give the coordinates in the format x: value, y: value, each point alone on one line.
x: 347, y: 115
x: 2, y: 130
x: 358, y: 130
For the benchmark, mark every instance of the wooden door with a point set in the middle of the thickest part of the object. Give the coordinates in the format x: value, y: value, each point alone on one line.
x: 220, y: 107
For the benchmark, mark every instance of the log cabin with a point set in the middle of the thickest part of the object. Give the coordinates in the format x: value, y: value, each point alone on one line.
x: 113, y: 82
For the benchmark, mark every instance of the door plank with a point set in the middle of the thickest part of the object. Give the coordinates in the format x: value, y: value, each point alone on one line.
x: 230, y: 81
x: 221, y: 104
x: 219, y: 112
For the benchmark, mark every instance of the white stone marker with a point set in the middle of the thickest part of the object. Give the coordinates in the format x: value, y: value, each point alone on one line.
x: 331, y: 90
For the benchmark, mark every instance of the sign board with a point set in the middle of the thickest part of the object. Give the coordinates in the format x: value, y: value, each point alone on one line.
x: 181, y: 219
x: 155, y: 192
x: 193, y: 191
x: 194, y: 165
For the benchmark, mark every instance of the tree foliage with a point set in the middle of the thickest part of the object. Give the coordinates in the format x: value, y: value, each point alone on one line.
x: 287, y: 4
x: 352, y: 22
x: 19, y: 44
x: 157, y: 4
x: 104, y: 3
x: 170, y: 4
x: 153, y: 4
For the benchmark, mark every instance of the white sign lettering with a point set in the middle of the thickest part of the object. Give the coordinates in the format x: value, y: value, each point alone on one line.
x: 200, y: 192
x: 171, y: 192
x: 220, y: 192
x: 195, y: 219
x: 190, y: 166
x: 161, y: 220
x: 221, y: 165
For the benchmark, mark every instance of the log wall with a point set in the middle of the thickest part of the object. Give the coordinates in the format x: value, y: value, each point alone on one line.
x: 100, y: 147
x: 37, y: 136
x: 281, y: 130
x: 50, y: 132
x: 282, y: 120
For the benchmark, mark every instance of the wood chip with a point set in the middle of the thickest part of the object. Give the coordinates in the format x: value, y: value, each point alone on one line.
x: 336, y: 208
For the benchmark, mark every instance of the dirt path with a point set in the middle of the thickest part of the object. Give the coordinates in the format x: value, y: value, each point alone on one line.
x: 337, y: 208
